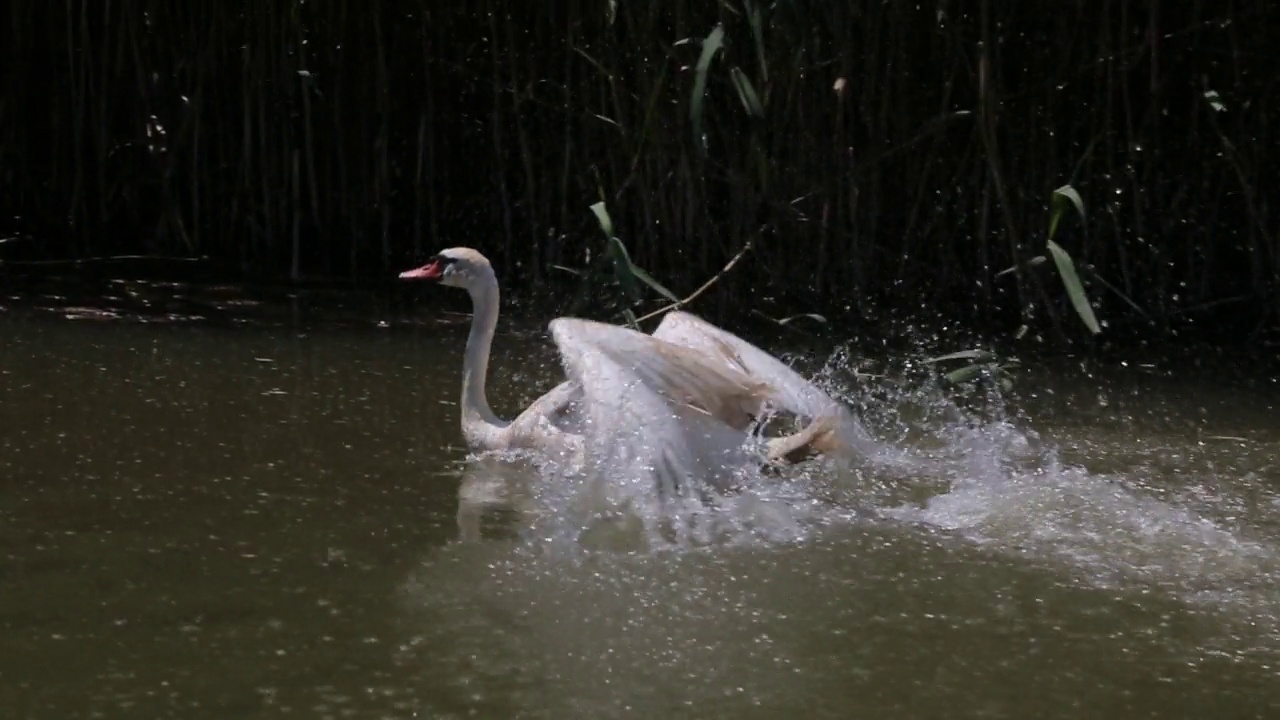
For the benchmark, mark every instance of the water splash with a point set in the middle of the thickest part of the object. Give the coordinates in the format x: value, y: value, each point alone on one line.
x: 1006, y: 546
x: 1000, y: 484
x: 974, y: 465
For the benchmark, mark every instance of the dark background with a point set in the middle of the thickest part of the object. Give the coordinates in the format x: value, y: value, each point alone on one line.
x: 905, y: 154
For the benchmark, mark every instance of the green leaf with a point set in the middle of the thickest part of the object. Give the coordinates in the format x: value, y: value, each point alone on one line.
x: 1061, y: 197
x: 1067, y: 269
x: 746, y: 92
x: 632, y: 321
x: 622, y: 268
x: 811, y: 316
x: 964, y: 374
x: 962, y: 355
x: 625, y: 271
x: 1033, y: 262
x: 602, y: 214
x: 710, y: 46
x: 647, y: 279
x: 609, y: 120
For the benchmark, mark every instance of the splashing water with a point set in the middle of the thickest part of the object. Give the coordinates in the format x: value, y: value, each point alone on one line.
x: 978, y: 472
x: 998, y: 543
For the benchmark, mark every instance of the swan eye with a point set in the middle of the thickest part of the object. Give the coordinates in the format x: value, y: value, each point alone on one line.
x: 444, y: 264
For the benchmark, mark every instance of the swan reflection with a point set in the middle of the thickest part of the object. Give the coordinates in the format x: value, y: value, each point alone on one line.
x: 497, y: 489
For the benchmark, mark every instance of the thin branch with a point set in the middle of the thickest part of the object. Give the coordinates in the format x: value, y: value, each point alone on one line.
x: 694, y: 295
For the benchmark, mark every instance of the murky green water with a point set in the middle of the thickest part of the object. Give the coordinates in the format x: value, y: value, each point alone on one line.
x: 239, y: 522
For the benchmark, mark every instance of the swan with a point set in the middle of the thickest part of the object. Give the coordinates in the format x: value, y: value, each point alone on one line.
x: 695, y: 390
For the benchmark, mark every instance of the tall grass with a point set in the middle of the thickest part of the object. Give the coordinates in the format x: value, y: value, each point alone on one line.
x: 872, y: 155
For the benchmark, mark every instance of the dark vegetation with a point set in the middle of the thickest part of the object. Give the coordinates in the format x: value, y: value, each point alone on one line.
x: 874, y: 159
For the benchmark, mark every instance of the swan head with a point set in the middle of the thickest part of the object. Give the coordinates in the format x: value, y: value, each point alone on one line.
x: 458, y: 267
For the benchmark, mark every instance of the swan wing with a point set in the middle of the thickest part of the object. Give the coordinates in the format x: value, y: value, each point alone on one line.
x: 833, y: 429
x: 791, y: 391
x: 657, y: 410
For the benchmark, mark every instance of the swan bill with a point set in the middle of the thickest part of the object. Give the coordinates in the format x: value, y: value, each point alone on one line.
x: 433, y: 270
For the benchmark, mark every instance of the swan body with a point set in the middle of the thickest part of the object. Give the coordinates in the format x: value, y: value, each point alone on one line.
x: 680, y: 402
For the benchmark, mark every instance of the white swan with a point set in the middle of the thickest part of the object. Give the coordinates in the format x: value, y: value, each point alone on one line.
x: 679, y: 402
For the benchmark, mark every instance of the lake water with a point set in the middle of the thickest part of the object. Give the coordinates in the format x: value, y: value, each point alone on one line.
x: 264, y: 520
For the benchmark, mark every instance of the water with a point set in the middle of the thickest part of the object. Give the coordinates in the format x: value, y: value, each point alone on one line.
x: 257, y: 520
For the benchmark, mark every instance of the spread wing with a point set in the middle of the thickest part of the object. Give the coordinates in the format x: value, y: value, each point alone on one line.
x: 790, y: 392
x: 653, y: 410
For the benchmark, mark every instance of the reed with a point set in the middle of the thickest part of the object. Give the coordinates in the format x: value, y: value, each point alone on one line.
x: 874, y: 157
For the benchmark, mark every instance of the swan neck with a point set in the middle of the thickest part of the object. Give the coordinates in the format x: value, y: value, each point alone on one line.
x: 484, y: 321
